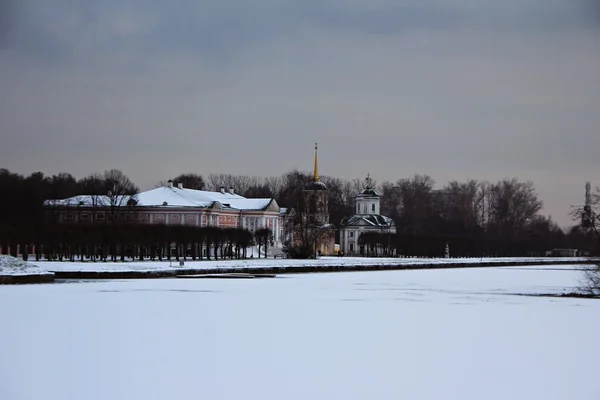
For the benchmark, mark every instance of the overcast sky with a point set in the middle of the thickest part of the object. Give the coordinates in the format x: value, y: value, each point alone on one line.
x: 454, y: 89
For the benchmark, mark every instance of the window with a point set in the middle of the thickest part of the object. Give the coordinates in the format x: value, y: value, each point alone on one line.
x: 85, y: 217
x: 351, y: 234
x: 101, y: 217
x: 69, y: 217
x: 351, y: 246
x: 373, y: 207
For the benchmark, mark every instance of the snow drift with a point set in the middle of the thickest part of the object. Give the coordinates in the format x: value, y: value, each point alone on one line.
x: 14, y: 267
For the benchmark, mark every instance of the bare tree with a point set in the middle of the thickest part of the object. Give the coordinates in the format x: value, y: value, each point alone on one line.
x: 588, y: 217
x: 357, y: 185
x: 460, y: 204
x: 190, y: 181
x: 482, y: 203
x: 512, y: 205
x: 239, y: 183
x: 256, y: 192
x: 214, y: 182
x: 588, y: 214
x: 94, y: 188
x: 260, y: 188
x: 291, y: 190
x: 263, y: 237
x: 120, y: 191
x: 306, y: 238
x: 416, y: 197
x: 391, y: 203
x: 339, y: 203
x: 349, y: 192
x: 590, y: 282
x: 274, y: 183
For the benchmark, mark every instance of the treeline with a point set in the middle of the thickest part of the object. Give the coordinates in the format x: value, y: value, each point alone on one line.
x: 121, y: 240
x: 22, y: 199
x: 501, y: 218
x: 529, y: 244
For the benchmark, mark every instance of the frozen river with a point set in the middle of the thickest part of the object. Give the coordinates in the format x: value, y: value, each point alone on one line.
x: 421, y: 334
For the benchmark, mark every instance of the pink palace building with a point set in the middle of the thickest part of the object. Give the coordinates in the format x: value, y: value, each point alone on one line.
x: 173, y: 205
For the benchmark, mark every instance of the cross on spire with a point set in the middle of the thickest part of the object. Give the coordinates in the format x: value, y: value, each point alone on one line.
x: 368, y: 181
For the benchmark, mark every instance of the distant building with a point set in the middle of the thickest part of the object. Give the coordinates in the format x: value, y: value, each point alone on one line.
x: 315, y: 214
x: 564, y: 253
x: 179, y: 206
x: 366, y: 219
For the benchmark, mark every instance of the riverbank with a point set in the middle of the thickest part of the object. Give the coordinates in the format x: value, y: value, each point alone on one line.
x: 16, y: 271
x: 166, y: 269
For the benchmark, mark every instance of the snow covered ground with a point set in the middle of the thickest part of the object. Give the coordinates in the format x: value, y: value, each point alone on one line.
x: 418, y: 334
x: 11, y: 266
x: 270, y: 262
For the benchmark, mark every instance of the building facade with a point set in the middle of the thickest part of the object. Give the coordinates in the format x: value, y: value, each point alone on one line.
x: 366, y: 219
x: 176, y: 205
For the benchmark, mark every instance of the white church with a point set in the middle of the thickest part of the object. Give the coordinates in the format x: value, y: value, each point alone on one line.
x: 366, y: 219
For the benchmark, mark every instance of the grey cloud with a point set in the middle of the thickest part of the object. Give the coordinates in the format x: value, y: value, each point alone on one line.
x: 58, y: 30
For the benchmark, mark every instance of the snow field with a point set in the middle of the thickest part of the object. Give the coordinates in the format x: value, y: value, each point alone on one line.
x: 419, y: 334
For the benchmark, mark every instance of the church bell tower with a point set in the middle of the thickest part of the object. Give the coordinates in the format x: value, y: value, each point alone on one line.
x: 316, y: 198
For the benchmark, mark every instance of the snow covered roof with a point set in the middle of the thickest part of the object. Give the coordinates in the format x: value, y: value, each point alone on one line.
x: 176, y: 197
x: 87, y: 200
x: 374, y: 220
x: 368, y: 192
x: 317, y: 185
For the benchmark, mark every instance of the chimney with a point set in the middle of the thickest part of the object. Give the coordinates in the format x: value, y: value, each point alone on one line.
x: 180, y: 185
x: 231, y: 191
x: 223, y: 189
x: 170, y: 183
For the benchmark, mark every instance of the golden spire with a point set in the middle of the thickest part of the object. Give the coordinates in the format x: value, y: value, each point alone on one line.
x: 316, y: 176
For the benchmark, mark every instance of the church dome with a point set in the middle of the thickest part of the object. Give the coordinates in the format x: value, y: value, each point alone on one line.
x: 370, y: 220
x: 318, y: 185
x: 368, y: 192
